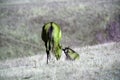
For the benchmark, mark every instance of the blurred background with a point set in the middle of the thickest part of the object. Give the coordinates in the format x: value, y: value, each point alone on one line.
x: 83, y: 22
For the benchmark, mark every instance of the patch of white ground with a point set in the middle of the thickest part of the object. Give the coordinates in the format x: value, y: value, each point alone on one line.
x: 99, y: 62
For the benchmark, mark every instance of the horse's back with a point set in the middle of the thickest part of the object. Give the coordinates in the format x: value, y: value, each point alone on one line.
x: 56, y: 32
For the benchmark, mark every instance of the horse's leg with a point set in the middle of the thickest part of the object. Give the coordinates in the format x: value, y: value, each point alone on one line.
x: 48, y: 48
x: 48, y: 55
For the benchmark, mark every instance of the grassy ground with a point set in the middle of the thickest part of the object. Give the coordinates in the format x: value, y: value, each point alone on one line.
x: 21, y: 23
x: 99, y: 62
x: 83, y: 23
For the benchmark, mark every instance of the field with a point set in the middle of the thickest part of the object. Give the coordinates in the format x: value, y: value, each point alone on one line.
x: 90, y: 27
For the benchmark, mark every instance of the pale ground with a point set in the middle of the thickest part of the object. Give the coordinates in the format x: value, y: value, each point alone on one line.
x: 100, y: 62
x: 22, y: 52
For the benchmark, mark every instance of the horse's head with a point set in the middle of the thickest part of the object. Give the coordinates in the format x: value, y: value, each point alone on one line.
x: 58, y: 52
x: 70, y: 53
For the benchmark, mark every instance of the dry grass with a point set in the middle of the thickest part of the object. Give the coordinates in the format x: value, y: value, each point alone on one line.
x: 80, y: 20
x: 22, y: 52
x: 99, y: 62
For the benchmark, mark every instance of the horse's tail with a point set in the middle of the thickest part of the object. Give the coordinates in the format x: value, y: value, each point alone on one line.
x: 50, y: 32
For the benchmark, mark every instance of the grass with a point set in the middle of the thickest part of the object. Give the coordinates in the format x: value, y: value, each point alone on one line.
x: 21, y: 24
x: 80, y: 21
x: 18, y: 42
